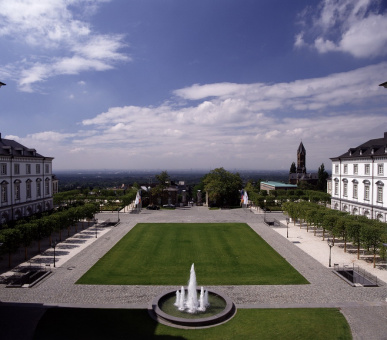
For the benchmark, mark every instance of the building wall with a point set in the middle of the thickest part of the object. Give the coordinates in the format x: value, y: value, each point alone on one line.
x: 20, y: 178
x: 371, y: 180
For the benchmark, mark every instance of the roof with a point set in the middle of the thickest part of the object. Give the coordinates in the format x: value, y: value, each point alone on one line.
x: 374, y: 147
x: 301, y: 149
x: 279, y: 184
x: 10, y: 147
x: 303, y: 176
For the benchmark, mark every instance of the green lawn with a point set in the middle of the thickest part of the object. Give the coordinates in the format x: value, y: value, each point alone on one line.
x: 162, y: 254
x: 247, y: 324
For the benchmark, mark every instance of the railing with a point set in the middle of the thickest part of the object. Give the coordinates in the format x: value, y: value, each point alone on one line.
x: 355, y: 274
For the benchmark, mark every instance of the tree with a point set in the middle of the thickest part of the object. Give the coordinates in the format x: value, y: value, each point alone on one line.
x: 164, y: 180
x: 371, y: 235
x: 11, y: 239
x: 293, y: 168
x: 223, y: 187
x: 322, y: 178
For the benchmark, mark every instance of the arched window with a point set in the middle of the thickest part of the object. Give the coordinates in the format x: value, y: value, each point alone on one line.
x: 4, y: 191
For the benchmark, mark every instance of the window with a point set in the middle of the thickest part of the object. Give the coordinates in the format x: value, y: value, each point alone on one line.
x: 336, y: 188
x: 380, y: 194
x: 47, y: 169
x: 3, y: 168
x: 380, y: 169
x: 345, y: 168
x: 4, y: 195
x: 16, y: 169
x: 47, y: 187
x: 28, y: 169
x: 367, y: 192
x: 38, y: 168
x: 336, y: 169
x: 38, y: 189
x: 17, y: 191
x: 354, y: 190
x: 355, y: 169
x: 367, y: 169
x: 28, y: 189
x: 345, y: 189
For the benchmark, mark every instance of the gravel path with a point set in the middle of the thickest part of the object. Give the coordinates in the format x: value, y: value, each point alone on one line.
x: 364, y: 308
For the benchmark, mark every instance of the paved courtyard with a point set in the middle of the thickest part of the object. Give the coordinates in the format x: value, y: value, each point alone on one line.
x: 364, y: 308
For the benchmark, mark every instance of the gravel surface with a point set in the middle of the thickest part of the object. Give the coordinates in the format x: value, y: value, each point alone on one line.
x: 364, y: 308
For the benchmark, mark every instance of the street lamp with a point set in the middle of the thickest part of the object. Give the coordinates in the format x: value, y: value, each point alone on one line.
x: 330, y: 244
x: 54, y: 243
x: 384, y: 84
x: 2, y: 84
x: 287, y: 227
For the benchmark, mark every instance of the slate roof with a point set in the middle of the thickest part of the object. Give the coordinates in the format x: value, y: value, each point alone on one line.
x: 301, y: 149
x: 10, y: 147
x: 372, y: 148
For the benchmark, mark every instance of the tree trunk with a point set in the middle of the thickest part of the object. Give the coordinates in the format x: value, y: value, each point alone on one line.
x: 39, y: 246
x: 358, y: 250
x: 9, y: 260
x: 25, y: 253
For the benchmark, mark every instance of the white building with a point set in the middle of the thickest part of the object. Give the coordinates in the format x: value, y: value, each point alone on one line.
x: 358, y: 180
x: 26, y: 181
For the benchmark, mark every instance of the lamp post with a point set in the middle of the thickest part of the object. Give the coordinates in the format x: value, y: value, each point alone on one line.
x: 2, y: 84
x: 384, y: 84
x: 96, y: 222
x: 54, y: 243
x: 287, y: 227
x: 330, y: 244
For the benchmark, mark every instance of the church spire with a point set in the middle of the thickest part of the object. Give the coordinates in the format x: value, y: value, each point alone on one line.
x: 301, y: 159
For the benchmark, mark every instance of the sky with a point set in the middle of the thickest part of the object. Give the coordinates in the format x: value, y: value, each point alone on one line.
x: 178, y: 84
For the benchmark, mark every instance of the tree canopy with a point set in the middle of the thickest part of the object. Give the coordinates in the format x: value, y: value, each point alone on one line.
x: 223, y: 187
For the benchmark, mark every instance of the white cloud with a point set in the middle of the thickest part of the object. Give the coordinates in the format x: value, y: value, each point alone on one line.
x: 357, y: 27
x: 236, y: 126
x: 58, y: 42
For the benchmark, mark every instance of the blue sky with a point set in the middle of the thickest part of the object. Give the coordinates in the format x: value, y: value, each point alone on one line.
x: 176, y: 84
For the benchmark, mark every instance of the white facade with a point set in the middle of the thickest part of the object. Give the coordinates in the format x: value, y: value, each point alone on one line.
x: 26, y: 181
x: 359, y: 180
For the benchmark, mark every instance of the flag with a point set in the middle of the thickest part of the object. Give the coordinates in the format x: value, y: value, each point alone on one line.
x: 138, y: 198
x: 245, y: 198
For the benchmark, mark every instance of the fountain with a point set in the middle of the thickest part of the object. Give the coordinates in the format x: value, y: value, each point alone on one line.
x: 192, y: 304
x: 183, y: 308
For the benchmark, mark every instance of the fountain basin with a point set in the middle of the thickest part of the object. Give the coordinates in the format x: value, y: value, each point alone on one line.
x: 222, y: 310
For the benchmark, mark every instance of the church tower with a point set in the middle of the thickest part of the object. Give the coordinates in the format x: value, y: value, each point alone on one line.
x: 301, y: 156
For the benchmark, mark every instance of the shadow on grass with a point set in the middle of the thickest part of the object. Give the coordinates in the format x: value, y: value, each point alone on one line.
x: 301, y: 323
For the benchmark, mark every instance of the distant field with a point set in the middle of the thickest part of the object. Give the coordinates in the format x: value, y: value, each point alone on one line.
x: 162, y: 254
x: 301, y: 324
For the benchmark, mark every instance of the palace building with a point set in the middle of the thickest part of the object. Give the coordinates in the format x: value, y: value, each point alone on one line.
x: 358, y: 180
x: 27, y: 184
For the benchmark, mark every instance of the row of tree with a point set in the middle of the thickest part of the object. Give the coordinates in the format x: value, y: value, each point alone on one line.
x: 277, y: 197
x: 99, y: 196
x: 359, y: 230
x: 36, y: 229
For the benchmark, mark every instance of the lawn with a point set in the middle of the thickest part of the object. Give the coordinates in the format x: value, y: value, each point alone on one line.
x: 247, y: 324
x: 162, y: 254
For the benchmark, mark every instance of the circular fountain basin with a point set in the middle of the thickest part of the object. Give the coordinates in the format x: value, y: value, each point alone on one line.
x: 163, y: 310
